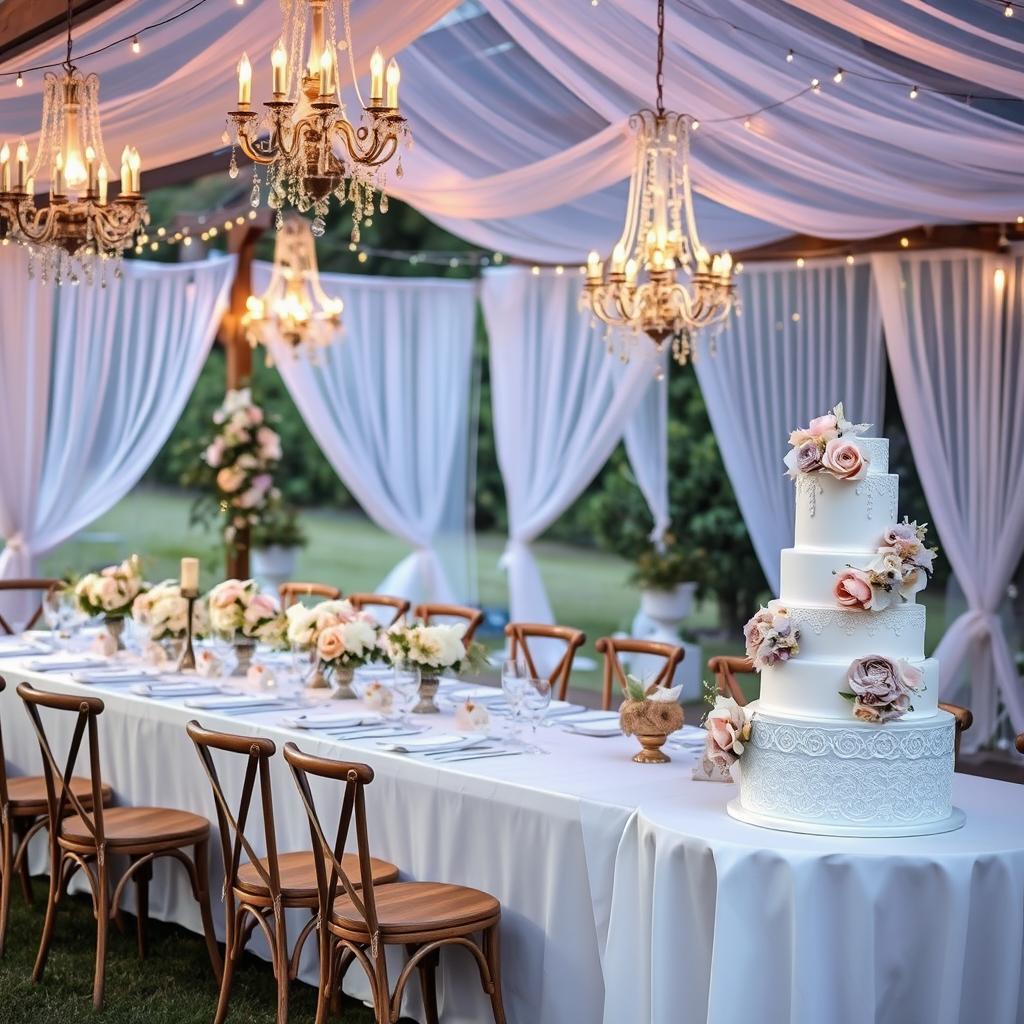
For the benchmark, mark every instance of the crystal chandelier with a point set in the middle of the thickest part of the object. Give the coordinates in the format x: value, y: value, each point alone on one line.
x: 310, y: 148
x: 294, y: 307
x: 660, y: 239
x: 79, y: 223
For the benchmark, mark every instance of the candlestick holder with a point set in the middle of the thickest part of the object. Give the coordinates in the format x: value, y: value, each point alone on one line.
x: 187, y: 660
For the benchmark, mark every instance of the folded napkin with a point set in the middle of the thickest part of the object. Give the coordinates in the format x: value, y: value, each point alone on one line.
x: 689, y: 736
x: 113, y: 675
x: 432, y: 744
x: 556, y: 709
x: 480, y: 694
x: 333, y: 721
x: 21, y: 650
x: 601, y: 729
x: 51, y: 664
x: 230, y: 702
x: 175, y: 689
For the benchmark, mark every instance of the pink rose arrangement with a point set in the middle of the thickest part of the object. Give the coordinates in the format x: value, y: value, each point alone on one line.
x: 901, y: 567
x: 770, y: 636
x: 728, y: 730
x: 881, y: 689
x: 828, y: 445
x: 342, y: 635
x: 111, y: 591
x: 238, y: 606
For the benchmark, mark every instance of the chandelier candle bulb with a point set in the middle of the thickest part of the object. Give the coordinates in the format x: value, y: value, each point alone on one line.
x: 279, y: 62
x: 593, y: 266
x: 325, y: 73
x: 90, y: 165
x: 57, y: 185
x: 244, y: 82
x: 5, y: 168
x: 22, y: 165
x: 376, y: 77
x: 394, y: 76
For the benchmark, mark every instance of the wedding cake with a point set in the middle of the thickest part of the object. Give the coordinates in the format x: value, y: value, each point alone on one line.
x: 847, y: 737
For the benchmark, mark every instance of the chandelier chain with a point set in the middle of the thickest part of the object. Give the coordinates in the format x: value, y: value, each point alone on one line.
x: 67, y: 60
x: 660, y: 77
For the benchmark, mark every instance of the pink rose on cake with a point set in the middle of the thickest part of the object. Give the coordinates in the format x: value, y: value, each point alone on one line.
x: 852, y: 588
x: 770, y: 636
x: 728, y: 730
x: 882, y: 689
x: 844, y: 460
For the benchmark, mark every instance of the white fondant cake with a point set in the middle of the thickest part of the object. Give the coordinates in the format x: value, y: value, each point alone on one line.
x: 847, y: 737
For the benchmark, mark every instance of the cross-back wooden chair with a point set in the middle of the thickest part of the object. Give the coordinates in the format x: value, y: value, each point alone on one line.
x: 42, y: 585
x: 360, y: 921
x: 293, y: 591
x: 22, y: 815
x: 398, y: 605
x: 611, y: 647
x: 258, y: 891
x: 963, y: 719
x: 1019, y: 743
x: 428, y: 612
x: 520, y: 635
x: 724, y: 668
x: 84, y: 837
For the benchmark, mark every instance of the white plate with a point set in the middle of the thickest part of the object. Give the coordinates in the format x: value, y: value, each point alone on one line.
x: 479, y: 694
x: 113, y: 675
x: 433, y: 744
x: 175, y: 689
x: 232, y: 702
x: 335, y: 721
x: 581, y: 717
x: 62, y: 664
x: 602, y: 729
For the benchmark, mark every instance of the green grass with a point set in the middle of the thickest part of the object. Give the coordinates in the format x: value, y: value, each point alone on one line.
x: 174, y: 985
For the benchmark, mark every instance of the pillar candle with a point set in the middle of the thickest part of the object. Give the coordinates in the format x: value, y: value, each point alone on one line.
x: 189, y: 574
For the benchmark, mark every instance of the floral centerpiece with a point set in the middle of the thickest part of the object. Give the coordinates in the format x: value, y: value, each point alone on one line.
x: 650, y: 713
x: 238, y: 608
x: 902, y: 566
x: 110, y: 593
x: 343, y: 636
x: 432, y: 649
x: 881, y: 690
x: 827, y: 445
x: 163, y: 612
x: 770, y: 636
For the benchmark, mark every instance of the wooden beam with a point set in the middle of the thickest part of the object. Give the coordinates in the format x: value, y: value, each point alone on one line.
x: 25, y: 24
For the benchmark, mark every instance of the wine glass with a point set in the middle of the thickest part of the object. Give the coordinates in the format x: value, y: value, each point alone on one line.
x: 222, y: 643
x: 535, y: 703
x: 514, y: 675
x: 406, y: 691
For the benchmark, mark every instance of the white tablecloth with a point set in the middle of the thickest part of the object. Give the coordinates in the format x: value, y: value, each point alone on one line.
x: 628, y: 895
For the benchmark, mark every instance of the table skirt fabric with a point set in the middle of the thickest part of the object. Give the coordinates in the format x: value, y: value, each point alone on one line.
x: 628, y: 894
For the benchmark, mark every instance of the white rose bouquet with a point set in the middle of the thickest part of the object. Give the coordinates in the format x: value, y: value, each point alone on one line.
x: 163, y: 612
x: 432, y: 649
x: 238, y: 606
x: 111, y: 591
x: 342, y: 635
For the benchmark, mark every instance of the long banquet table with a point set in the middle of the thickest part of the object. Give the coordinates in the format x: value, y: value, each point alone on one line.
x: 628, y: 894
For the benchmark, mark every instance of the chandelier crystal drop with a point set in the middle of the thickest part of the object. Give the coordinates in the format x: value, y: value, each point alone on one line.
x: 294, y: 308
x: 311, y: 149
x: 80, y: 224
x: 641, y: 291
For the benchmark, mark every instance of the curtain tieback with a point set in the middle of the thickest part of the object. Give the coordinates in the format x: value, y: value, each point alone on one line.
x: 511, y: 546
x: 982, y: 624
x: 16, y: 542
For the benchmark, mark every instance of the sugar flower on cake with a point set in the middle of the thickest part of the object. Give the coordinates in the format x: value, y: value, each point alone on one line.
x: 728, y: 729
x: 828, y: 445
x: 770, y: 636
x: 111, y: 591
x: 881, y: 690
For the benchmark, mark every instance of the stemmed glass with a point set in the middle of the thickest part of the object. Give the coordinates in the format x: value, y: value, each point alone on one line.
x: 536, y: 701
x: 405, y: 691
x: 222, y: 643
x: 514, y: 675
x: 55, y: 609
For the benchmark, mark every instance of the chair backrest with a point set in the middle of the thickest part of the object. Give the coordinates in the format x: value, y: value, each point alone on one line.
x: 4, y: 797
x: 963, y: 718
x: 257, y: 751
x: 57, y: 777
x: 330, y: 874
x: 520, y: 634
x: 427, y: 612
x: 724, y: 669
x: 293, y: 591
x: 611, y: 647
x: 399, y: 605
x: 43, y: 585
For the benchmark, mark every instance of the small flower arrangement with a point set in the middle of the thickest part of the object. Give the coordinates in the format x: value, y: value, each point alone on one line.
x: 650, y: 709
x: 770, y: 636
x: 111, y: 591
x: 881, y: 689
x: 342, y: 635
x: 901, y: 567
x: 728, y: 727
x: 827, y: 445
x: 164, y: 612
x: 238, y: 606
x: 432, y: 649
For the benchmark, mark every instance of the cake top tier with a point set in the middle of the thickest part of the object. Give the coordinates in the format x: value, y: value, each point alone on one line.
x: 834, y: 446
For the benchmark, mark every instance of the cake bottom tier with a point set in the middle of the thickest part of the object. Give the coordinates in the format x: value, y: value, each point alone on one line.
x: 849, y: 779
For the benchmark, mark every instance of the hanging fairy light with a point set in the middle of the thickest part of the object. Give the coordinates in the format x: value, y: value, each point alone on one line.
x: 659, y: 240
x: 294, y: 308
x: 80, y: 223
x: 305, y: 139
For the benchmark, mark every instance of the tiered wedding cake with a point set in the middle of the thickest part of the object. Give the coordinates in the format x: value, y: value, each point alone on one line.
x: 847, y: 737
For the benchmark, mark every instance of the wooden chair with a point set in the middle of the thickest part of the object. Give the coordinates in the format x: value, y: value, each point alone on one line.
x: 44, y: 585
x: 724, y: 669
x: 1019, y: 743
x: 521, y: 633
x: 86, y: 839
x: 22, y: 815
x: 613, y: 646
x: 371, y: 601
x: 964, y: 720
x: 360, y: 922
x: 258, y: 892
x: 426, y: 613
x: 294, y: 591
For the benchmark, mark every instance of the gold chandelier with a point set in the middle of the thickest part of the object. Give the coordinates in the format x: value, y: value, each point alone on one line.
x: 294, y: 308
x: 310, y: 148
x: 80, y: 223
x: 660, y: 239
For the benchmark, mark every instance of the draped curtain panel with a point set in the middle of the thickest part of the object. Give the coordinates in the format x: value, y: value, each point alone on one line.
x: 954, y: 329
x: 560, y: 403
x: 646, y: 441
x: 391, y: 407
x: 92, y: 381
x: 807, y: 338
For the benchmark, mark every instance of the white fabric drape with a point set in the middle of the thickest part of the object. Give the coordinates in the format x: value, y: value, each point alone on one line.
x: 390, y: 406
x: 646, y: 440
x: 807, y: 338
x: 92, y: 381
x: 954, y: 328
x: 560, y: 406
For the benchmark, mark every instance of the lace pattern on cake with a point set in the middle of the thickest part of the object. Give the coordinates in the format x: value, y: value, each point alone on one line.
x: 808, y: 488
x: 894, y: 622
x: 882, y: 497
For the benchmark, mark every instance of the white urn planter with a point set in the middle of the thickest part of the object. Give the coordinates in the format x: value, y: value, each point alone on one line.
x: 660, y: 617
x: 668, y: 608
x: 274, y: 565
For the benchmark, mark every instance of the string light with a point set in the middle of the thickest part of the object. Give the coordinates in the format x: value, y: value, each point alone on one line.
x: 136, y: 45
x: 850, y: 260
x: 838, y: 76
x: 20, y: 81
x: 790, y: 57
x: 748, y: 124
x: 694, y: 124
x: 559, y: 270
x: 815, y: 85
x: 913, y: 93
x: 535, y: 270
x: 904, y: 242
x: 1008, y: 11
x: 362, y: 257
x: 800, y: 262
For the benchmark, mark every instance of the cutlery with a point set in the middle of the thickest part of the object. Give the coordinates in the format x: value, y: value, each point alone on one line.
x: 475, y: 755
x: 362, y: 734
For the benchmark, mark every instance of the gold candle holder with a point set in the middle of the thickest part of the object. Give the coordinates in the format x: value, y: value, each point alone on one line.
x: 187, y: 659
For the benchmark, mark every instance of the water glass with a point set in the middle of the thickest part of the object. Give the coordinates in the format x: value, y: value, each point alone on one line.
x: 514, y: 675
x: 405, y: 691
x: 535, y: 704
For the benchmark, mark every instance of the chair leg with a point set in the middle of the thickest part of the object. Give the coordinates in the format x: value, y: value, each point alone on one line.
x: 52, y: 896
x: 323, y: 992
x: 427, y: 969
x: 280, y: 955
x: 492, y: 954
x: 6, y: 868
x: 20, y: 829
x: 231, y: 926
x: 103, y: 913
x: 142, y: 877
x: 201, y: 858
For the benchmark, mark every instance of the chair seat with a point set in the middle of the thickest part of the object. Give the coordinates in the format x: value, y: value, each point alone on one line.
x: 417, y: 907
x: 27, y: 794
x: 140, y: 827
x: 298, y: 875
